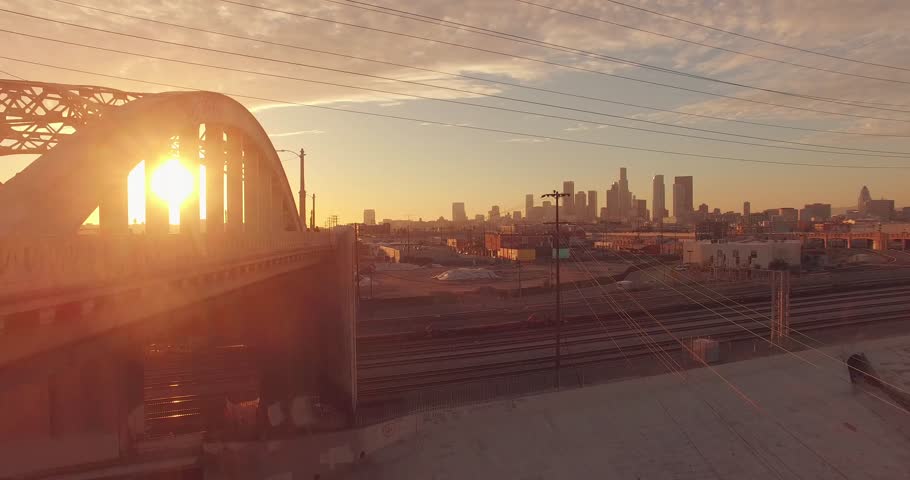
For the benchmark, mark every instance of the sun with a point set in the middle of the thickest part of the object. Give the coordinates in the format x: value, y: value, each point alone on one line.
x: 172, y: 182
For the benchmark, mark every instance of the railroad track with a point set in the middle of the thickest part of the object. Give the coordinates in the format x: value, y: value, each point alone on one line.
x: 367, y: 342
x: 371, y: 356
x: 387, y: 386
x: 184, y: 391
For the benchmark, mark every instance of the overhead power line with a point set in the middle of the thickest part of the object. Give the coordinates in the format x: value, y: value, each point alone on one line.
x: 757, y: 39
x: 851, y: 151
x: 702, y: 44
x: 561, y: 65
x: 540, y: 43
x: 475, y: 128
x: 469, y: 77
x: 11, y: 75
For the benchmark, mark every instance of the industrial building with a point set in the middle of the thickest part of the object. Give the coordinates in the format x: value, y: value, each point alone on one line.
x: 742, y: 254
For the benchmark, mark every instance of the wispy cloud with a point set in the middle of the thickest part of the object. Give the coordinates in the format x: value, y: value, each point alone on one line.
x: 298, y: 132
x: 527, y: 140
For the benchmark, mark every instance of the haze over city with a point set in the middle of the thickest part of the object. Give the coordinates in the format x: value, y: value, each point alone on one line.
x: 360, y: 162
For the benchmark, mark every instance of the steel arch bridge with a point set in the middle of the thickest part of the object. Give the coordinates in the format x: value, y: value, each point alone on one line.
x: 90, y: 138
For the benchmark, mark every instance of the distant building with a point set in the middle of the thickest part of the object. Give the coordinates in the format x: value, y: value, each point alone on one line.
x: 479, y: 218
x: 788, y: 214
x: 747, y: 212
x: 883, y: 209
x: 703, y: 209
x: 683, y: 197
x: 458, y: 213
x: 815, y: 212
x: 381, y: 229
x: 658, y: 199
x: 494, y: 213
x: 529, y: 205
x: 581, y: 205
x: 592, y: 205
x: 516, y: 215
x: 711, y: 230
x: 746, y: 254
x: 369, y: 217
x: 864, y: 198
x: 569, y: 202
x: 640, y: 208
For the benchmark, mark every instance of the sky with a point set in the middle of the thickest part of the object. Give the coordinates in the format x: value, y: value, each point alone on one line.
x: 417, y: 169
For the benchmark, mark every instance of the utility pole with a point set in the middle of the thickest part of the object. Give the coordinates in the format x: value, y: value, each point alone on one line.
x: 302, y: 192
x: 556, y: 196
x: 313, y: 215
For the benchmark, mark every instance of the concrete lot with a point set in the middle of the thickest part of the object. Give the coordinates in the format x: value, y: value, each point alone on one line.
x: 811, y: 422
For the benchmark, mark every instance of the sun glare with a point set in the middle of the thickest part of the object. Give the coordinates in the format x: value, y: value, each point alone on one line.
x: 172, y: 182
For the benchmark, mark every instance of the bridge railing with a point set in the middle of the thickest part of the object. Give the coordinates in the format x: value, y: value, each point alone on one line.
x: 29, y: 264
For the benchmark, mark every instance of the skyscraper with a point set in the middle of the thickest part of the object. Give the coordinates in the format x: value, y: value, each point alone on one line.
x: 864, y: 199
x: 592, y: 205
x: 581, y: 205
x: 624, y: 195
x: 613, y: 202
x: 658, y: 199
x: 747, y: 213
x: 494, y: 213
x: 369, y: 217
x: 458, y: 213
x: 568, y: 205
x: 529, y: 205
x: 682, y: 197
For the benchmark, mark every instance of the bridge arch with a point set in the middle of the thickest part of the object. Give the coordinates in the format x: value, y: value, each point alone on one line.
x: 57, y: 191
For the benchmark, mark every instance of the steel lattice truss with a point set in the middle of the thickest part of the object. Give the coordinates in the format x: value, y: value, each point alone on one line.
x: 38, y: 116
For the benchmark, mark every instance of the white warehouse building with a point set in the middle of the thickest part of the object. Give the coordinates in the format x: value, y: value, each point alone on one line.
x: 742, y: 254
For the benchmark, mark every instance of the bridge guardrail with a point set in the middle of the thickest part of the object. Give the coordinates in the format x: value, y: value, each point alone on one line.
x: 29, y: 264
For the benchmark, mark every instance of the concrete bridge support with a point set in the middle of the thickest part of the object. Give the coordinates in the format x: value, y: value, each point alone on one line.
x: 214, y: 149
x: 189, y: 155
x: 87, y: 409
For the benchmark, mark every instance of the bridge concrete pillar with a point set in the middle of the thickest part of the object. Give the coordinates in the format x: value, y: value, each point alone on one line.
x: 113, y: 212
x: 214, y: 178
x: 252, y: 192
x: 234, y: 161
x: 266, y: 203
x: 189, y: 155
x: 87, y: 409
x: 157, y: 214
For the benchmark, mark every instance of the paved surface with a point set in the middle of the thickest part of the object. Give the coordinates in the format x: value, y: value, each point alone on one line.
x: 813, y: 424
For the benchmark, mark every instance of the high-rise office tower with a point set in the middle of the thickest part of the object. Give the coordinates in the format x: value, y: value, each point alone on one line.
x: 494, y: 213
x: 369, y: 217
x: 640, y: 209
x: 625, y: 196
x: 658, y: 199
x: 682, y: 197
x: 613, y: 202
x: 516, y: 215
x: 529, y: 205
x: 747, y: 212
x: 864, y: 199
x: 568, y: 203
x: 581, y: 205
x: 458, y: 213
x: 592, y: 205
